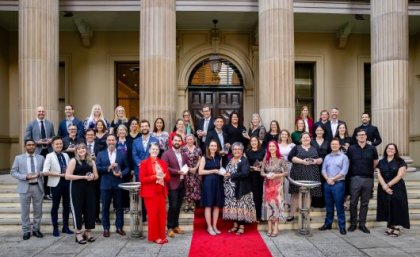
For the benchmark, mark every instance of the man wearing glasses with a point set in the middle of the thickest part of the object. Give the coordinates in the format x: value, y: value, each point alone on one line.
x: 363, y: 160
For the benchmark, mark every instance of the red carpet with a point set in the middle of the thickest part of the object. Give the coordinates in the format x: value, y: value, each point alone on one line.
x: 250, y: 244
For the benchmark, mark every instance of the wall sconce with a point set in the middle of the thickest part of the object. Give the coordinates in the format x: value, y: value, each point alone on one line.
x: 215, y: 64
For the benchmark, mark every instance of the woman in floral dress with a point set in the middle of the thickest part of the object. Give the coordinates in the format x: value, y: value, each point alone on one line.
x: 192, y: 180
x: 239, y: 203
x: 274, y: 169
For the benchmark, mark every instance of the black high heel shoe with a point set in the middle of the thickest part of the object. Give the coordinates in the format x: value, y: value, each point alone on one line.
x: 88, y: 239
x: 290, y: 219
x: 81, y: 241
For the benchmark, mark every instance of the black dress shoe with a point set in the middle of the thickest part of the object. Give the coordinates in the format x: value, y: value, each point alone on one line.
x: 325, y: 227
x: 26, y: 235
x: 290, y: 219
x: 352, y: 228
x: 343, y: 231
x: 364, y: 229
x: 38, y: 234
x: 67, y: 231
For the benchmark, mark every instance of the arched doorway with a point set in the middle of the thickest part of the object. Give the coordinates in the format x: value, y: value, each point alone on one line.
x: 222, y: 89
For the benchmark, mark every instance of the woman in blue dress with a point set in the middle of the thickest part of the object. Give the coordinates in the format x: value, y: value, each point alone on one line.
x: 212, y: 193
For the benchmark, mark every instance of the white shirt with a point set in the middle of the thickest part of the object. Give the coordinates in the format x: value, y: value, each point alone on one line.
x: 112, y: 156
x: 221, y: 138
x: 206, y: 127
x: 334, y: 125
x: 28, y: 166
x: 179, y: 159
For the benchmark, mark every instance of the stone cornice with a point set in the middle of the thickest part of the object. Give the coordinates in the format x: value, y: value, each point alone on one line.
x: 299, y: 6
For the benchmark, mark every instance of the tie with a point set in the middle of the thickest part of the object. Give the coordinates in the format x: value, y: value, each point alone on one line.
x: 62, y: 162
x: 206, y: 125
x: 32, y: 164
x: 43, y: 134
x: 90, y: 148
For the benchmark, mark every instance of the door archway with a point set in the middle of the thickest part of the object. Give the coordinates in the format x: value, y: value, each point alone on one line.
x: 223, y: 90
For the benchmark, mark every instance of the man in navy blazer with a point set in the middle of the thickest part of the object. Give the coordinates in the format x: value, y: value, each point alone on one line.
x: 112, y: 165
x: 175, y: 160
x: 70, y: 120
x: 205, y: 125
x: 141, y: 146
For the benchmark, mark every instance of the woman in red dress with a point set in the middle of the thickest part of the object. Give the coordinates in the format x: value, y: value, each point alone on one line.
x: 154, y: 175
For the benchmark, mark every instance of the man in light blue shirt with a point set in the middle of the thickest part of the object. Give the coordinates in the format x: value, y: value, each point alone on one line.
x: 334, y: 170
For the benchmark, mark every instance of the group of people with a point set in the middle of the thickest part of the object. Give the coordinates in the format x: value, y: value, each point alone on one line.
x: 212, y: 165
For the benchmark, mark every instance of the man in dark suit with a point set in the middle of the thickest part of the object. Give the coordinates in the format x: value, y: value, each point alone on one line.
x: 205, y: 125
x: 70, y: 120
x: 141, y: 146
x: 324, y: 116
x: 175, y: 161
x: 27, y: 169
x: 93, y: 150
x: 332, y: 125
x: 112, y: 165
x: 41, y: 131
x: 372, y: 132
x: 221, y: 138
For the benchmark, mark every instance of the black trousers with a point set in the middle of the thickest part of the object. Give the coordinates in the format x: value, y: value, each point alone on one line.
x: 61, y: 191
x: 360, y: 188
x: 176, y: 197
x: 257, y: 182
x: 83, y: 203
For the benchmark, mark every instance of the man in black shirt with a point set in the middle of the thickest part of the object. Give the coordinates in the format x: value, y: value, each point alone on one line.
x: 363, y: 160
x: 372, y: 132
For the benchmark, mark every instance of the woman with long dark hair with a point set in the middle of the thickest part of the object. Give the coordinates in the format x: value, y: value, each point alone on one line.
x: 160, y: 133
x: 392, y: 202
x: 212, y: 191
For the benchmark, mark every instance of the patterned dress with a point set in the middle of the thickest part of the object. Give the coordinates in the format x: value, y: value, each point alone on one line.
x: 304, y: 172
x: 242, y: 209
x: 192, y: 181
x: 273, y: 198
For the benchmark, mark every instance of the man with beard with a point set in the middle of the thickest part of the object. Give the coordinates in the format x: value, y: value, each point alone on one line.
x: 372, y: 132
x: 141, y: 146
x: 112, y: 165
x: 332, y: 124
x: 26, y: 169
x: 70, y: 120
x: 175, y: 161
x: 324, y: 117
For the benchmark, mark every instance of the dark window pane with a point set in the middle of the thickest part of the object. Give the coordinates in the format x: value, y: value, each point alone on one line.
x: 304, y: 86
x: 127, y: 87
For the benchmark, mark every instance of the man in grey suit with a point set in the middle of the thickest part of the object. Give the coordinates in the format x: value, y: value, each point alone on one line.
x: 41, y: 131
x: 27, y: 169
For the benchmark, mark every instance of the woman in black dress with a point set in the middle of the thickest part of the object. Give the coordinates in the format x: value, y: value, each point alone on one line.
x: 255, y: 155
x: 234, y: 130
x: 322, y: 146
x: 392, y: 203
x: 273, y: 134
x: 305, y: 166
x: 343, y: 136
x: 82, y: 173
x: 212, y: 190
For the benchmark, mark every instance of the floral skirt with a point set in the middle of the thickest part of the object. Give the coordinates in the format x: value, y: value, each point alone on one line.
x: 238, y: 210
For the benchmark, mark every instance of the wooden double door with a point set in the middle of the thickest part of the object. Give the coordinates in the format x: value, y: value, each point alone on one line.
x: 223, y: 101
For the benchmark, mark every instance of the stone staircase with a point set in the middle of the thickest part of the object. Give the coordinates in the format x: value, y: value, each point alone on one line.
x: 10, y: 209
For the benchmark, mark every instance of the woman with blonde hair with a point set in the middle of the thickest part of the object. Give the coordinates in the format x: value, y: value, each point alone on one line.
x: 95, y: 114
x: 189, y: 124
x: 82, y: 173
x: 256, y: 128
x: 119, y: 119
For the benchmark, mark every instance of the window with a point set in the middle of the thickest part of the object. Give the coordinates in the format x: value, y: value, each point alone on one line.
x: 202, y: 75
x: 304, y: 86
x: 127, y: 87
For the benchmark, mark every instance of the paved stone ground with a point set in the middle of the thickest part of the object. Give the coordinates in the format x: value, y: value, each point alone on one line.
x: 328, y: 243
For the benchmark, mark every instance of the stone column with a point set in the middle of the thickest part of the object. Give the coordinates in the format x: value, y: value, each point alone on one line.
x: 158, y: 60
x: 276, y: 62
x: 38, y: 59
x: 389, y: 47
